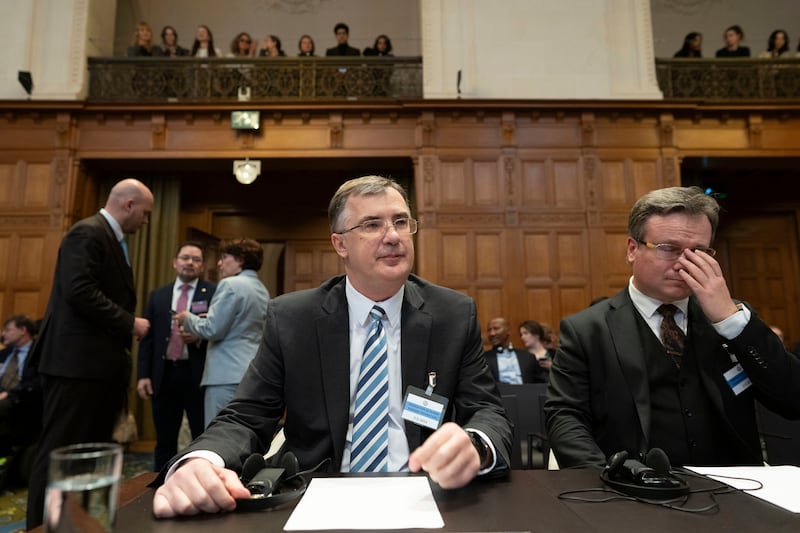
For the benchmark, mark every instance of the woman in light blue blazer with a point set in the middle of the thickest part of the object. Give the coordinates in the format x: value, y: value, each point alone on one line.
x: 234, y: 323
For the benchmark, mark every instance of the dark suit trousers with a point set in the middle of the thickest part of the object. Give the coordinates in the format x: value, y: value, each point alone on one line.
x: 177, y: 393
x: 75, y: 410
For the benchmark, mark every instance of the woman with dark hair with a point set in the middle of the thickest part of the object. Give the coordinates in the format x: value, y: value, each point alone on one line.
x: 242, y: 45
x: 142, y: 43
x: 533, y: 335
x: 382, y: 47
x: 169, y: 38
x: 272, y: 47
x: 306, y: 46
x: 733, y: 36
x: 777, y: 45
x: 692, y: 45
x: 233, y: 324
x: 204, y: 43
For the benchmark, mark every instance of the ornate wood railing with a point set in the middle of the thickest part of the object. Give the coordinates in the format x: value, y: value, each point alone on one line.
x: 729, y: 79
x: 220, y: 79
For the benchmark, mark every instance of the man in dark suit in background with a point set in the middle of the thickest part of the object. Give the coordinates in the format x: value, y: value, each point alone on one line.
x: 171, y: 362
x: 342, y: 32
x: 507, y: 364
x: 671, y: 361
x: 309, y: 365
x: 83, y: 350
x: 20, y: 394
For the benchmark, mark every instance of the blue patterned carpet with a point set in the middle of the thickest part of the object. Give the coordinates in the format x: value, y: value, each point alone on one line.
x: 13, y: 500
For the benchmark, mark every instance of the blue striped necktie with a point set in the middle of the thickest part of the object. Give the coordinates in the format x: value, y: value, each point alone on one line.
x: 125, y: 250
x: 370, y: 448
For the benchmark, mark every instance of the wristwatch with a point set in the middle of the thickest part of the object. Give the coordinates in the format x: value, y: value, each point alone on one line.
x: 481, y: 447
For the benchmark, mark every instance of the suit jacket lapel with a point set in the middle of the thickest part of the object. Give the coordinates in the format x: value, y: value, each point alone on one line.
x: 415, y: 331
x: 622, y: 326
x: 116, y: 250
x: 333, y: 332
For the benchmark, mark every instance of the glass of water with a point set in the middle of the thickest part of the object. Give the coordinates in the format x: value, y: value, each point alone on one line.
x: 82, y: 487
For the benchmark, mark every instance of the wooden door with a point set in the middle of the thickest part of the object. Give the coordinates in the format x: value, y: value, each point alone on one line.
x: 309, y: 263
x: 759, y: 255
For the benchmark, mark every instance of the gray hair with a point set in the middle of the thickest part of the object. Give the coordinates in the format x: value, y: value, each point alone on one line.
x: 363, y: 186
x: 688, y: 200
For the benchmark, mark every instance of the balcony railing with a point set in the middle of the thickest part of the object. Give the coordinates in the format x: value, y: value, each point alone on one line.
x: 729, y: 79
x: 220, y: 79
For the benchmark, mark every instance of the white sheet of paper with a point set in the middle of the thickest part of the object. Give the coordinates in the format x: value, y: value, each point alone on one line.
x: 780, y: 482
x: 385, y: 502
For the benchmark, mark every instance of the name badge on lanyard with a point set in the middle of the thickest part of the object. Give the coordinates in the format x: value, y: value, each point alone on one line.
x: 423, y: 407
x: 737, y: 379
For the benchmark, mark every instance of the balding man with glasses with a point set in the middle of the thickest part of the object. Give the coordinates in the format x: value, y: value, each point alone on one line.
x: 672, y: 361
x: 377, y: 371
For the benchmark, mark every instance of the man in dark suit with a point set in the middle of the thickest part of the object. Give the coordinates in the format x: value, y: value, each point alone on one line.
x: 632, y: 374
x: 83, y: 350
x: 171, y: 362
x: 507, y: 364
x: 309, y: 365
x: 20, y: 394
x: 342, y: 32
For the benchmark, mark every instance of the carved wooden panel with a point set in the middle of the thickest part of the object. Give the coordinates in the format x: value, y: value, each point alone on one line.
x: 489, y: 256
x: 453, y: 190
x: 8, y: 175
x: 5, y: 259
x: 28, y: 302
x: 309, y: 263
x: 454, y: 257
x: 36, y: 185
x: 30, y: 251
x: 487, y: 187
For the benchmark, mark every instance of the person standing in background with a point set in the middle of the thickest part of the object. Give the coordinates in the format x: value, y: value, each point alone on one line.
x: 83, y: 350
x: 170, y: 363
x: 234, y: 323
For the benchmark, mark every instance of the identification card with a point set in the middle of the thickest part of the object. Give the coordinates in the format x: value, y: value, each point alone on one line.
x: 425, y: 410
x: 200, y: 306
x: 737, y: 379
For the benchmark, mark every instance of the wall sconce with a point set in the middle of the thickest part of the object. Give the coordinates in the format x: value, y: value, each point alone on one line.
x: 246, y: 171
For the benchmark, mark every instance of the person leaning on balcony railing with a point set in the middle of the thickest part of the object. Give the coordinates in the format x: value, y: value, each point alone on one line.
x: 777, y: 46
x: 204, y: 43
x: 169, y: 38
x: 382, y: 47
x: 733, y: 36
x: 142, y: 42
x: 272, y: 47
x: 692, y: 44
x: 242, y: 45
x: 306, y: 46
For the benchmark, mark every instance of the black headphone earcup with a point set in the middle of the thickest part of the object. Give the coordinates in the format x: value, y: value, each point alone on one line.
x: 657, y: 460
x: 290, y: 464
x: 615, y: 463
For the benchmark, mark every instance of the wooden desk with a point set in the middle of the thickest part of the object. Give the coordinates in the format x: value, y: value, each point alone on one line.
x: 526, y: 501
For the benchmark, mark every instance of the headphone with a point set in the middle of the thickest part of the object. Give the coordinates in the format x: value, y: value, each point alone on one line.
x: 652, y: 480
x: 271, y: 483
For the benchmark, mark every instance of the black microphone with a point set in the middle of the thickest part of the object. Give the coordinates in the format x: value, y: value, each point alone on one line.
x: 265, y: 482
x: 252, y: 465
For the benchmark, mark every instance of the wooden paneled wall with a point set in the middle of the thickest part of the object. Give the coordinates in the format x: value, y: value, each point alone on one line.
x: 523, y: 205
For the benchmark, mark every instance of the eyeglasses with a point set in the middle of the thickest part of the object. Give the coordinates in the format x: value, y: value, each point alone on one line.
x: 670, y: 252
x: 193, y: 258
x: 403, y: 226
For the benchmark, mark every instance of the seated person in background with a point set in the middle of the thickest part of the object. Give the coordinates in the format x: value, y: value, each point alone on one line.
x: 532, y: 333
x: 142, y: 44
x: 342, y: 32
x: 306, y: 46
x: 242, y: 45
x: 415, y: 333
x: 169, y: 38
x: 204, y: 43
x: 20, y: 393
x: 692, y: 44
x: 733, y: 36
x: 507, y: 364
x: 382, y: 47
x: 272, y: 47
x: 777, y: 46
x: 671, y: 361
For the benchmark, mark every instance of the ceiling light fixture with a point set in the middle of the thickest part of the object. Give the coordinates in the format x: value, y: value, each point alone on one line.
x: 246, y: 171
